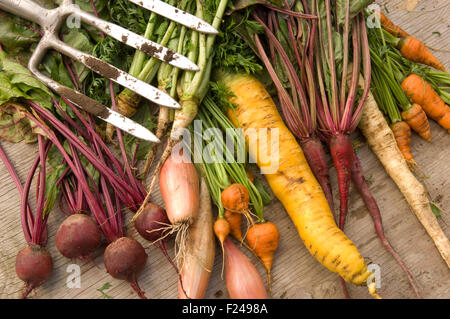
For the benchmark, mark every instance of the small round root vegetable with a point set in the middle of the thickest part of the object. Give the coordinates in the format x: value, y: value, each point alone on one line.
x: 317, y: 160
x: 235, y: 198
x: 414, y: 50
x: 243, y: 280
x: 124, y: 259
x: 263, y: 239
x: 78, y: 236
x: 152, y: 224
x: 235, y: 221
x: 341, y: 150
x: 221, y: 229
x: 418, y: 121
x: 34, y: 265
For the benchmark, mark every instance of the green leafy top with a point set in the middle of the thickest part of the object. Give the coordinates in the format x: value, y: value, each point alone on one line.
x: 232, y: 53
x: 17, y: 82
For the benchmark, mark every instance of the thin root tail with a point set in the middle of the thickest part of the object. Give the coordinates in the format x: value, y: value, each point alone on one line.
x: 136, y: 288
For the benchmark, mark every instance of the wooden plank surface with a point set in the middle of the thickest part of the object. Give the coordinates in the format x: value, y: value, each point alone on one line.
x: 295, y: 273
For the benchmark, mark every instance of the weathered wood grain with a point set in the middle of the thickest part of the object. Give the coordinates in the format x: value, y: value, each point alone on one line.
x: 295, y: 273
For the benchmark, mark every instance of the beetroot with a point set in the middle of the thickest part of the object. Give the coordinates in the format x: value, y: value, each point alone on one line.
x: 152, y: 223
x: 317, y: 160
x: 78, y: 236
x: 341, y: 150
x: 124, y: 259
x: 34, y: 266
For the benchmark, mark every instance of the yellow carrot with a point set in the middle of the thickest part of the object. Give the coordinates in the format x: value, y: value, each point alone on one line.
x: 293, y: 183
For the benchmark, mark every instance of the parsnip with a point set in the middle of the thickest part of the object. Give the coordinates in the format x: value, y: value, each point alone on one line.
x: 382, y: 142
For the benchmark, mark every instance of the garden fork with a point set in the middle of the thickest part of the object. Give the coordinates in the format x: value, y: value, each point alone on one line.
x: 51, y: 21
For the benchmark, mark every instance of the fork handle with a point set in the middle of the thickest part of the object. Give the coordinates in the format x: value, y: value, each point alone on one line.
x: 26, y: 9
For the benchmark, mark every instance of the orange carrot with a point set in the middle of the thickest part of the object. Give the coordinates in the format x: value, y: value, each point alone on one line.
x: 414, y: 50
x: 235, y: 198
x: 421, y: 92
x: 263, y: 239
x: 221, y: 229
x: 235, y: 221
x: 390, y: 27
x: 418, y: 121
x: 402, y: 133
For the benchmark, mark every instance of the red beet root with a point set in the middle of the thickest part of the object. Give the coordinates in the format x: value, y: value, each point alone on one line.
x: 341, y: 150
x: 152, y: 222
x: 124, y: 259
x: 78, y: 236
x: 372, y: 206
x: 317, y: 160
x: 33, y: 265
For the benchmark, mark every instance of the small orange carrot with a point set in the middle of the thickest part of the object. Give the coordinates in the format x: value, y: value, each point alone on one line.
x: 421, y: 92
x: 414, y: 50
x: 402, y: 133
x: 263, y: 238
x: 418, y: 121
x: 390, y: 27
x: 235, y: 221
x: 221, y: 229
x: 235, y: 198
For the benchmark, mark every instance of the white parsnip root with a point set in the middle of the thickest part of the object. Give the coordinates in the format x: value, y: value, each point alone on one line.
x: 382, y: 142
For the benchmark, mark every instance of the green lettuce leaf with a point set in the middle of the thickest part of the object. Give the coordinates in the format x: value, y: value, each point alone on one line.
x: 17, y: 82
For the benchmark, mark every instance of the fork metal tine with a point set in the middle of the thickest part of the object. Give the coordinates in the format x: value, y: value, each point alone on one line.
x: 177, y: 15
x: 117, y: 75
x: 138, y: 42
x: 86, y: 103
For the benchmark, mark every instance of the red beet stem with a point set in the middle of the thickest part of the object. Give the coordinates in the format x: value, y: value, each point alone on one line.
x: 90, y: 134
x: 15, y: 177
x: 93, y: 203
x: 315, y: 155
x: 344, y: 288
x: 73, y: 139
x: 363, y: 188
x: 134, y: 182
x: 341, y: 150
